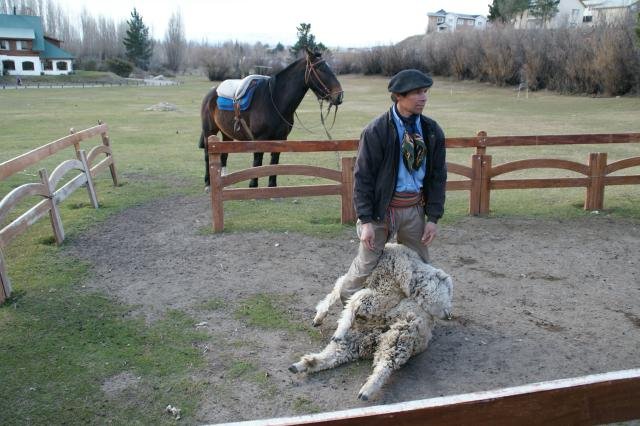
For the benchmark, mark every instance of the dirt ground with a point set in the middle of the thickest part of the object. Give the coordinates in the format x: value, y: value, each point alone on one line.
x: 534, y: 300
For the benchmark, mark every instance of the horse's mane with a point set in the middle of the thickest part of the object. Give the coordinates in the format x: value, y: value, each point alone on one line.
x: 273, y: 78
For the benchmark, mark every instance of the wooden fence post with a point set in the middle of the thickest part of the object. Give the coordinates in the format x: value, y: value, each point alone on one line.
x: 481, y: 143
x: 476, y: 185
x: 5, y: 284
x: 479, y: 193
x: 485, y: 187
x: 215, y: 187
x: 595, y: 190
x: 112, y: 167
x: 348, y: 211
x: 87, y: 172
x: 76, y: 145
x: 54, y: 213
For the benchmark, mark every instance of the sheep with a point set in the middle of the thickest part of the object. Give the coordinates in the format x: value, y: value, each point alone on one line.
x: 389, y: 320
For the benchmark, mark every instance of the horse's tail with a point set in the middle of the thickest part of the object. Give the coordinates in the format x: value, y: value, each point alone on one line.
x: 206, y: 114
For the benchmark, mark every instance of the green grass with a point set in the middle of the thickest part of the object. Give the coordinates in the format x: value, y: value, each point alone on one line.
x: 59, y: 343
x: 79, y: 76
x: 269, y: 312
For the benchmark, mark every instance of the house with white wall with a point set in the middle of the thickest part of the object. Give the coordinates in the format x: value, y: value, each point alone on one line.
x: 25, y: 50
x: 570, y: 14
x: 609, y: 11
x: 442, y: 21
x: 574, y: 13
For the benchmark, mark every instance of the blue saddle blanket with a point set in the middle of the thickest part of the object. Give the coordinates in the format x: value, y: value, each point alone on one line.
x: 226, y: 104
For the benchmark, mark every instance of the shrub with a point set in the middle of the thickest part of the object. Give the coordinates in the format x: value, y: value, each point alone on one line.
x: 120, y: 67
x: 602, y: 59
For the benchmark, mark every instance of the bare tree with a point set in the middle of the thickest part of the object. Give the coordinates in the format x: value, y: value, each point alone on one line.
x: 28, y: 7
x: 89, y: 34
x: 174, y: 41
x: 107, y: 38
x: 51, y: 19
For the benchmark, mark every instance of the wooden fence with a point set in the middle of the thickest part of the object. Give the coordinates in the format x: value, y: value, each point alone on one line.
x: 480, y: 175
x: 46, y: 187
x: 588, y: 400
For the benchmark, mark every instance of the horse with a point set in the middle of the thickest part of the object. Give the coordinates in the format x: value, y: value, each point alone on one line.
x: 270, y: 116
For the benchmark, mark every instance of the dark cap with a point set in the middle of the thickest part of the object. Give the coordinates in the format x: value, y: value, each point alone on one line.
x: 408, y: 80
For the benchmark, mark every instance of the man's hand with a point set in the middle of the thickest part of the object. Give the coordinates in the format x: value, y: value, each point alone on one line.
x: 367, y: 236
x: 429, y: 234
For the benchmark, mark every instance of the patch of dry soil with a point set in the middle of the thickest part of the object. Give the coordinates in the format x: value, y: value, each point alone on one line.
x: 534, y: 300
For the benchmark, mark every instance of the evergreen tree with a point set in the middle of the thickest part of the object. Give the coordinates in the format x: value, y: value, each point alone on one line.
x: 505, y: 11
x: 306, y: 40
x: 137, y: 43
x: 544, y: 9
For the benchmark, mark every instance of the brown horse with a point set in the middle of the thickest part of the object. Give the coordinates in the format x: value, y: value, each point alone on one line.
x: 270, y: 116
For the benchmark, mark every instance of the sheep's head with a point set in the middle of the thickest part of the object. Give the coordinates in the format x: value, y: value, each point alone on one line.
x: 440, y: 302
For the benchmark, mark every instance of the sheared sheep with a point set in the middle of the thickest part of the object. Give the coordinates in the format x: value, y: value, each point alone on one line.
x: 390, y: 319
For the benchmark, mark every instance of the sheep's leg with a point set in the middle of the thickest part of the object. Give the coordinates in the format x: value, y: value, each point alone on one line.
x: 334, y: 354
x: 349, y: 312
x: 330, y: 299
x: 404, y: 339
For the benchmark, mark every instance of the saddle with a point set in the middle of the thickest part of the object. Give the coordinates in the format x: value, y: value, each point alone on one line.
x: 235, y: 95
x: 236, y: 88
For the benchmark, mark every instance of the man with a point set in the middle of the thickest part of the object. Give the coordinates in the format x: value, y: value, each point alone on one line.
x: 400, y: 176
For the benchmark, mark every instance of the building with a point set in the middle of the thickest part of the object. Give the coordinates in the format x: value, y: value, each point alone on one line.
x: 442, y: 20
x: 570, y: 14
x: 573, y: 13
x: 25, y: 50
x: 608, y: 11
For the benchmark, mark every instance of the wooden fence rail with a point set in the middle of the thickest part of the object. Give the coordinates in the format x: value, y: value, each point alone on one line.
x: 480, y: 175
x: 588, y: 400
x: 46, y: 188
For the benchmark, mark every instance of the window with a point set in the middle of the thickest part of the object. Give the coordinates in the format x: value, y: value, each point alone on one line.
x: 47, y: 65
x: 587, y: 18
x: 440, y: 20
x: 9, y: 65
x: 28, y: 66
x: 4, y: 44
x: 61, y: 65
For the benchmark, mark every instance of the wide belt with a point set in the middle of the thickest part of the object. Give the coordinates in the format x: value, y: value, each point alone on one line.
x: 406, y: 199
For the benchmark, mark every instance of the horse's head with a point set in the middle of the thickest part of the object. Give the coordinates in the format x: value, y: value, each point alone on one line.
x: 321, y: 79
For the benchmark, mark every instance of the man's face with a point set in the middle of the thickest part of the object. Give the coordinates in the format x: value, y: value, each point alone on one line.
x: 412, y: 102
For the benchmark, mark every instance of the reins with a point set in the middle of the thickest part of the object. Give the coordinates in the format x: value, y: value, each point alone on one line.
x: 310, y: 69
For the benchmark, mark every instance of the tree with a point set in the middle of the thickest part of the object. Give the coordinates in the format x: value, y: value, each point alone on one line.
x: 638, y: 29
x: 137, y: 43
x: 505, y: 11
x: 544, y: 9
x: 174, y: 42
x: 306, y: 41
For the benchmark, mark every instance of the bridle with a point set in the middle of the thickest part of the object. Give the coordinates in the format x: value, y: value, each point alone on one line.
x: 310, y: 70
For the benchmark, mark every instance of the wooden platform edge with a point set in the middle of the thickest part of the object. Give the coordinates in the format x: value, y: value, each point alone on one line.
x: 594, y: 399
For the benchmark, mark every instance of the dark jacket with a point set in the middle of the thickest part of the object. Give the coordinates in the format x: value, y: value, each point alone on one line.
x: 376, y: 169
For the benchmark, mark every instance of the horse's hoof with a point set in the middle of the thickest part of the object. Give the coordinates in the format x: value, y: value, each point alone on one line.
x: 293, y: 368
x: 363, y: 396
x: 207, y: 189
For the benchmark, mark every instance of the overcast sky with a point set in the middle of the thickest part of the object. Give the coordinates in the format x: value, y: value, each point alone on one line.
x: 336, y: 23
